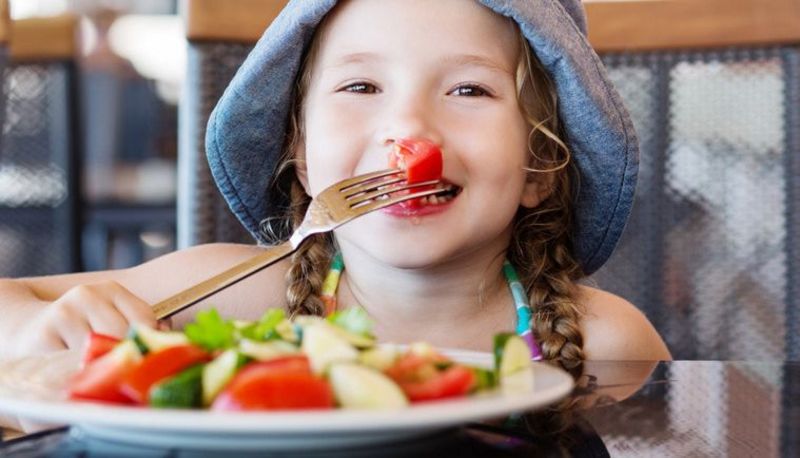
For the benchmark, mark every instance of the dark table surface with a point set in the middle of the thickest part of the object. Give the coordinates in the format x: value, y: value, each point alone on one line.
x: 680, y: 408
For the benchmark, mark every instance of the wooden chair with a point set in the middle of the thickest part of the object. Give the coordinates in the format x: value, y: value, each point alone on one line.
x: 5, y: 32
x: 39, y: 164
x: 220, y: 35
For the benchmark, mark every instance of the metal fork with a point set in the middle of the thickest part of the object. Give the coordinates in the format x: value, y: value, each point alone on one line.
x: 333, y: 207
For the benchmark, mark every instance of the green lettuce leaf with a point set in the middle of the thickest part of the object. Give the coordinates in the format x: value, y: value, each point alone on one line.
x: 264, y: 328
x: 211, y: 331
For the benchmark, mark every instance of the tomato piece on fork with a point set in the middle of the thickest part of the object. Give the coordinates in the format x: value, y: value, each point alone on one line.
x: 421, y: 159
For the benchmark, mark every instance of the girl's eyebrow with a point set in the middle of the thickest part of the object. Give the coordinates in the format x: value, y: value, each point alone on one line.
x: 455, y: 60
x: 476, y: 60
x: 353, y: 58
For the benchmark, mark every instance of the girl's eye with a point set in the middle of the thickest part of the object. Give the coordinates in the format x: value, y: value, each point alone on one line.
x: 360, y: 88
x: 470, y: 90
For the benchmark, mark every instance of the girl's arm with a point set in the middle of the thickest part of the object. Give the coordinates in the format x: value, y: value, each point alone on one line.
x: 49, y: 313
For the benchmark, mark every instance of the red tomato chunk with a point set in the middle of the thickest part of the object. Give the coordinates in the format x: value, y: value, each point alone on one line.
x: 421, y: 159
x: 279, y: 384
x: 158, y: 366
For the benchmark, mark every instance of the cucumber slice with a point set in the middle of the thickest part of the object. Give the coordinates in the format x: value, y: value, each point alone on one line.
x: 263, y: 351
x: 357, y: 340
x: 286, y: 330
x: 379, y: 358
x: 359, y: 387
x: 154, y: 340
x: 218, y: 373
x: 520, y: 382
x: 484, y: 378
x: 324, y: 346
x: 511, y: 354
x: 182, y: 391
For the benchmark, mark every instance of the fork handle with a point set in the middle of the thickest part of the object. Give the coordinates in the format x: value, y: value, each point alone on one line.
x: 217, y: 283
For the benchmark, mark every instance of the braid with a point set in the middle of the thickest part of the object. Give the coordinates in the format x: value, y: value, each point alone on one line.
x: 548, y: 272
x: 310, y: 261
x: 541, y: 246
x: 308, y: 264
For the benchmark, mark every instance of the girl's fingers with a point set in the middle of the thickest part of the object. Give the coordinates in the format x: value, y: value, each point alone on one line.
x: 165, y: 324
x: 44, y: 341
x: 134, y: 309
x: 73, y: 331
x: 104, y: 318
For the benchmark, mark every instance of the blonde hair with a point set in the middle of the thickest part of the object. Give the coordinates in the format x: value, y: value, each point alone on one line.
x: 540, y: 248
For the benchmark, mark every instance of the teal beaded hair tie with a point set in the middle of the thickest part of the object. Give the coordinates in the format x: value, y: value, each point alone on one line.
x: 524, y: 312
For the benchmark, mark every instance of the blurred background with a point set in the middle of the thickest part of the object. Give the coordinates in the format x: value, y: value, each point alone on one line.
x: 108, y: 162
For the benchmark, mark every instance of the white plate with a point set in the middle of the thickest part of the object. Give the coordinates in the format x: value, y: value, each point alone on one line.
x: 27, y: 390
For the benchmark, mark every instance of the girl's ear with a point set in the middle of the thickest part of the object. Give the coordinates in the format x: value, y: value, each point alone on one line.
x: 536, y: 190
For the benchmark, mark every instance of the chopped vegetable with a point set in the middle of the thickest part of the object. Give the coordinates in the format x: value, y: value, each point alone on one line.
x: 354, y: 319
x: 323, y: 347
x: 425, y: 378
x: 97, y: 345
x: 279, y: 384
x: 157, y: 366
x: 511, y: 354
x: 513, y: 363
x: 219, y: 372
x: 211, y: 332
x: 101, y: 379
x: 181, y: 391
x: 153, y: 340
x: 421, y: 159
x: 265, y: 328
x: 380, y: 358
x: 360, y: 387
x: 306, y: 362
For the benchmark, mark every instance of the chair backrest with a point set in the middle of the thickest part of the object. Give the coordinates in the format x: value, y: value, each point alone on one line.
x: 220, y: 36
x: 39, y: 185
x: 711, y: 252
x: 5, y: 33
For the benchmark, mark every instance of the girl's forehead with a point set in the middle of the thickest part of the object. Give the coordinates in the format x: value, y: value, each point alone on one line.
x: 387, y: 27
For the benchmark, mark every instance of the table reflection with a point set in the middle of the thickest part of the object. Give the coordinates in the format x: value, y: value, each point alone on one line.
x: 682, y: 408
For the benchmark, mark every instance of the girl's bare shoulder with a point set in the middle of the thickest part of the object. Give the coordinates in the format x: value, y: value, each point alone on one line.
x: 614, y: 329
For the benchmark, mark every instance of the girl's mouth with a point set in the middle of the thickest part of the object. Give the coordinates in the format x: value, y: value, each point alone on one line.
x: 427, y: 205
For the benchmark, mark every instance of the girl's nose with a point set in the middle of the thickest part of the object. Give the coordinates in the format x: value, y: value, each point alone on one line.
x: 411, y: 119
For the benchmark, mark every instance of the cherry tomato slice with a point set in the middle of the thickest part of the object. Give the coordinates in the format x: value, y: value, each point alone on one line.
x: 421, y: 159
x: 158, y: 366
x: 454, y: 381
x: 97, y: 345
x: 279, y: 384
x: 102, y: 378
x: 422, y: 378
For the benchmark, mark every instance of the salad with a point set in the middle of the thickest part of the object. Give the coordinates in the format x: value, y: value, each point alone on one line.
x: 277, y: 363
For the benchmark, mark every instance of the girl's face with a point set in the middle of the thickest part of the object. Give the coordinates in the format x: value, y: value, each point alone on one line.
x: 439, y: 69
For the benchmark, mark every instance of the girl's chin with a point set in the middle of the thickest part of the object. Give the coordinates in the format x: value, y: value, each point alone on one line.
x: 405, y: 253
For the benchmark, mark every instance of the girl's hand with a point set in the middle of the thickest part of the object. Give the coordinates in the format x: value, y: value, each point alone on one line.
x: 106, y: 308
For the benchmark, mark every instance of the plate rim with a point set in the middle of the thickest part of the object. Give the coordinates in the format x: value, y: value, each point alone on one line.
x: 416, y: 416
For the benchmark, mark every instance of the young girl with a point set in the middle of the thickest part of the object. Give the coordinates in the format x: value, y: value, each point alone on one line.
x: 532, y: 133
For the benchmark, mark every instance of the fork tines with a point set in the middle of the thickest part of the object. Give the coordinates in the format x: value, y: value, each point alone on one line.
x: 370, y: 182
x: 387, y: 192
